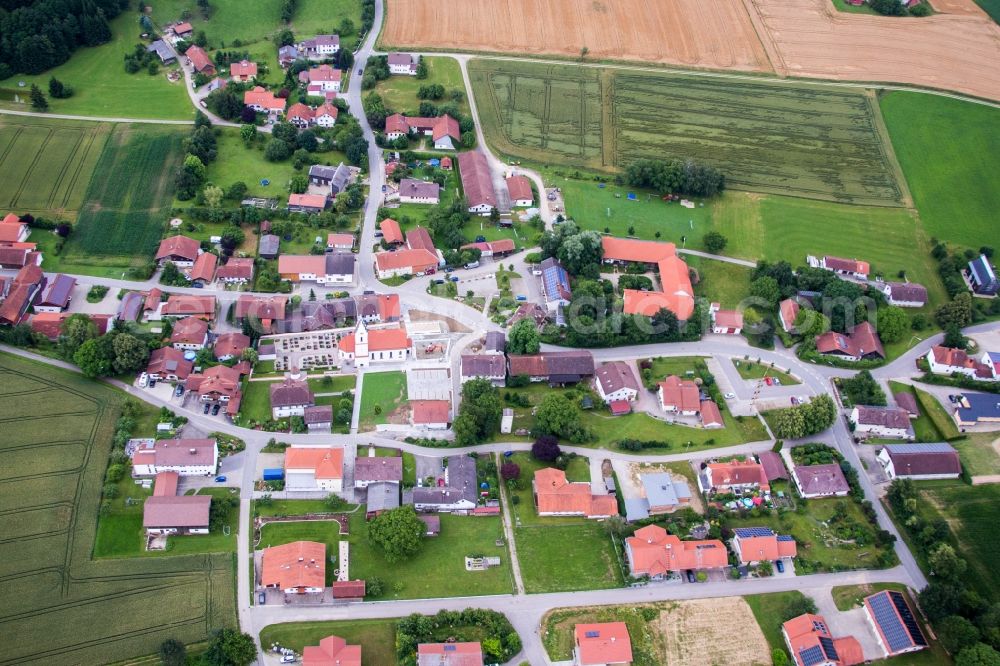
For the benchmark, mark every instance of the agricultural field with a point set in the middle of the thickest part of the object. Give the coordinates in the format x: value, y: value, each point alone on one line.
x: 945, y: 146
x: 807, y: 141
x: 400, y: 92
x: 48, y: 516
x: 676, y: 632
x: 127, y: 201
x: 102, y: 87
x: 47, y: 164
x: 383, y: 399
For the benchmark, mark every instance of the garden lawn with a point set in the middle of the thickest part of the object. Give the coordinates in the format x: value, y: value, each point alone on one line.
x: 945, y: 146
x: 932, y: 407
x: 325, y: 532
x: 101, y: 87
x: 256, y: 404
x: 816, y: 542
x: 923, y: 426
x: 280, y: 507
x: 768, y: 609
x: 720, y: 281
x: 978, y: 452
x: 568, y: 556
x: 399, y: 92
x: 751, y: 370
x: 846, y: 597
x: 438, y: 569
x: 385, y: 390
x: 558, y: 627
x: 337, y: 384
x: 377, y: 638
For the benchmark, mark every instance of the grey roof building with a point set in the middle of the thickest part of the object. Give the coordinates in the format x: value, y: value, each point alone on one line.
x: 340, y: 263
x: 378, y: 469
x: 382, y: 496
x: 460, y: 491
x: 268, y: 246
x: 336, y: 178
x: 163, y: 52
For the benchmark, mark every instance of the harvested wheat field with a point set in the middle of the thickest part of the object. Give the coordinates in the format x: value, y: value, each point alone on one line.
x: 717, y: 34
x: 949, y: 51
x: 967, y: 7
x: 719, y: 632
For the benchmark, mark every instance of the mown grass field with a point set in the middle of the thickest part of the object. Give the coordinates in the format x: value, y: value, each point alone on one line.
x: 400, y: 92
x: 385, y: 390
x: 991, y: 7
x: 101, y: 85
x: 807, y: 141
x: 48, y: 516
x: 47, y: 164
x: 945, y: 147
x: 127, y: 200
x: 377, y: 638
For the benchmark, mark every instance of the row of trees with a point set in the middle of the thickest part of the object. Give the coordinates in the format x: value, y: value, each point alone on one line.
x: 676, y: 177
x: 201, y: 150
x: 805, y: 419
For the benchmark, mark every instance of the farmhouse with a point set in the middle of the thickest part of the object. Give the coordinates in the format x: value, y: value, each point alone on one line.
x: 759, y: 544
x: 733, y: 476
x: 331, y: 651
x: 300, y: 115
x: 487, y: 249
x: 391, y: 232
x: 377, y: 469
x: 920, y: 461
x: 862, y: 343
x: 444, y: 131
x: 556, y: 368
x: 243, y: 71
x: 199, y: 60
x: 949, y: 361
x: 788, y: 312
x: 449, y: 654
x: 319, y: 47
x: 307, y: 203
x: 402, y: 63
x: 419, y: 191
x: 219, y: 384
x: 168, y: 364
x: 820, y: 480
x: 431, y: 414
x: 328, y: 268
x: 477, y: 183
x: 180, y: 250
x: 203, y: 271
x: 601, y: 644
x: 555, y: 285
x: 677, y: 294
x: 290, y: 397
x: 905, y: 294
x: 238, y: 270
x: 325, y: 115
x: 616, y: 381
x: 182, y: 305
x: 404, y: 262
x: 57, y: 294
x: 892, y: 422
x: 655, y: 553
x: 24, y: 291
x: 378, y: 307
x: 907, y: 401
x: 162, y: 51
x: 314, y: 469
x: 336, y: 178
x: 982, y: 277
x: 190, y: 333
x: 264, y: 101
x: 519, y: 188
x: 555, y: 496
x: 460, y: 491
x: 325, y: 78
x: 19, y: 255
x: 484, y: 366
x: 294, y: 568
x: 842, y: 267
x: 260, y: 311
x: 186, y: 457
x: 364, y: 347
x: 810, y: 643
x: 895, y: 626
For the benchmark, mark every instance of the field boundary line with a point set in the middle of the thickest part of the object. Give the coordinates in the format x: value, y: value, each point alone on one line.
x: 95, y: 119
x: 31, y: 167
x: 57, y: 182
x: 882, y: 130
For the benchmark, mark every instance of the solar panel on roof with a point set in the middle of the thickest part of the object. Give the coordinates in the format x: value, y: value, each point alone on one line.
x: 449, y: 648
x: 812, y: 656
x: 908, y: 620
x: 828, y: 648
x: 819, y: 626
x: 746, y: 532
x: 785, y: 537
x: 889, y: 624
x: 592, y: 634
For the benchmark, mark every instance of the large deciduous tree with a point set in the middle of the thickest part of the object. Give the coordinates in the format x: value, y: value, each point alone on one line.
x: 398, y: 533
x: 523, y: 338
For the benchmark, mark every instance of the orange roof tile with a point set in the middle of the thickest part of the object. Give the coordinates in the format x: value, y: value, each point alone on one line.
x: 415, y: 260
x: 332, y: 651
x: 204, y: 267
x: 555, y: 494
x: 738, y: 472
x: 603, y: 643
x: 654, y: 552
x: 328, y: 463
x: 681, y: 394
x: 391, y: 231
x: 627, y: 249
x: 298, y: 564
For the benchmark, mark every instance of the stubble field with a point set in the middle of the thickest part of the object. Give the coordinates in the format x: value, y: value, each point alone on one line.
x: 808, y: 141
x: 54, y: 593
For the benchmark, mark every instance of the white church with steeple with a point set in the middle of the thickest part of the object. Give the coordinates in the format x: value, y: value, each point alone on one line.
x: 364, y: 347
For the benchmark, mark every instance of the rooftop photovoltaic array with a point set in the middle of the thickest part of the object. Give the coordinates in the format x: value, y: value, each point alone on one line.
x: 895, y: 621
x: 747, y: 532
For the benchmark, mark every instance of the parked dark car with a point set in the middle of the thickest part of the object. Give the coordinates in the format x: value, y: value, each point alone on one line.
x: 220, y: 479
x: 261, y: 598
x: 207, y: 407
x: 690, y: 575
x: 780, y: 566
x: 179, y: 391
x: 480, y: 239
x: 215, y: 409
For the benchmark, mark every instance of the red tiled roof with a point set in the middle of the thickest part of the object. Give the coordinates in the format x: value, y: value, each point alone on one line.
x: 450, y: 654
x: 519, y: 188
x: 11, y: 233
x: 189, y: 330
x: 338, y: 240
x: 620, y: 407
x: 760, y: 548
x: 861, y: 341
x: 774, y: 467
x: 165, y: 484
x: 295, y: 264
x: 184, y: 304
x: 430, y: 411
x: 415, y: 260
x: 290, y: 392
x: 300, y: 111
x: 446, y: 126
x: 852, y: 265
x: 477, y: 183
x: 419, y: 238
x: 348, y: 589
x: 379, y: 340
x: 204, y: 267
x: 555, y: 494
x: 199, y: 59
x: 258, y: 96
x: 789, y: 312
x: 738, y: 472
x: 298, y: 564
x: 243, y: 68
x: 236, y: 268
x: 324, y: 73
x: 628, y: 249
x: 327, y: 110
x: 710, y: 414
x: 729, y: 319
x: 182, y: 28
x: 231, y: 344
x: 957, y: 358
x: 307, y: 200
x: 391, y: 231
x: 603, y: 643
x: 681, y: 394
x: 49, y: 324
x: 332, y: 651
x: 396, y: 123
x: 654, y: 552
x: 327, y: 463
x: 616, y: 375
x: 169, y: 361
x: 261, y: 307
x: 185, y: 511
x: 803, y: 633
x: 178, y: 246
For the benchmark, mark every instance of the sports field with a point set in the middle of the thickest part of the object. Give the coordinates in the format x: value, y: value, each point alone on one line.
x: 807, y: 141
x: 127, y: 200
x: 103, y: 88
x: 46, y: 164
x: 55, y: 436
x: 946, y: 147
